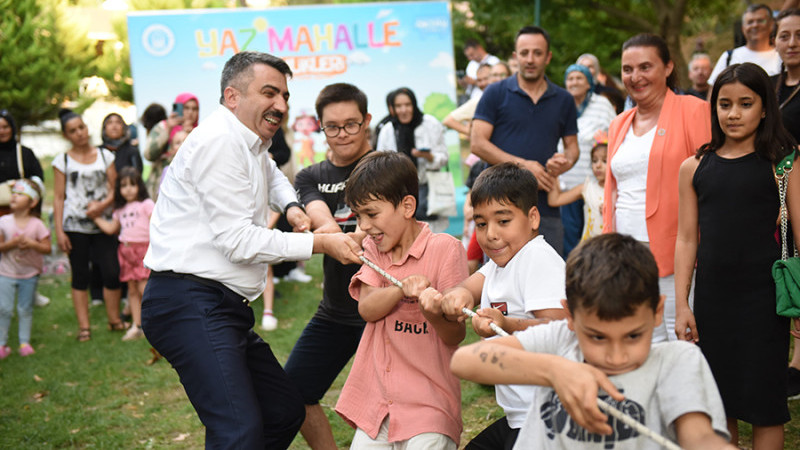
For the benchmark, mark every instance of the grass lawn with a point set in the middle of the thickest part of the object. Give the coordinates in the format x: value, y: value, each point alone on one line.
x: 102, y: 394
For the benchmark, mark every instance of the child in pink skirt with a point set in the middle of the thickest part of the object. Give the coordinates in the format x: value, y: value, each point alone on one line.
x: 131, y: 219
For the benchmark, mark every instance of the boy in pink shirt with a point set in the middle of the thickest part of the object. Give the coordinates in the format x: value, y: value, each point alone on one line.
x: 400, y: 389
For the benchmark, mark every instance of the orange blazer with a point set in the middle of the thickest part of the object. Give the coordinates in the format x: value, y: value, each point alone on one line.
x: 683, y: 126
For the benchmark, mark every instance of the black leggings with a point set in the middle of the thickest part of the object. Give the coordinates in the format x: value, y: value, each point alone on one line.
x: 101, y: 250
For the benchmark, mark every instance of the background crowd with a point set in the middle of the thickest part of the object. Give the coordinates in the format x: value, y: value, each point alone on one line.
x: 606, y: 153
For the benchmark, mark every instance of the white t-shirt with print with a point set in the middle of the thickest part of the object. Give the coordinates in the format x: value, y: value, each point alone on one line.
x: 85, y: 183
x: 533, y: 279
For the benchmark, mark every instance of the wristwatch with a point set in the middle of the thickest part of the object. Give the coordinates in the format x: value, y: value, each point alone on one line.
x: 290, y: 204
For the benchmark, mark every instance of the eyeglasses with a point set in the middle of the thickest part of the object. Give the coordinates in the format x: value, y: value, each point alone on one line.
x: 350, y: 128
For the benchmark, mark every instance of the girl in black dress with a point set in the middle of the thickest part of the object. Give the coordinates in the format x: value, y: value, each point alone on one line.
x: 726, y: 224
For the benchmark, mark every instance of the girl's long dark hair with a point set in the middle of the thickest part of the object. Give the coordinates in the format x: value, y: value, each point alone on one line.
x: 772, y: 141
x: 129, y: 173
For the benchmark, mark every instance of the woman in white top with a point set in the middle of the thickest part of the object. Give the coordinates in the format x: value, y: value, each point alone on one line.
x: 646, y: 146
x: 84, y: 177
x: 595, y: 113
x: 418, y: 136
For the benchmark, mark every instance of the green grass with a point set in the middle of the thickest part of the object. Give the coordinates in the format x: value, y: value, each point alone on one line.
x: 102, y: 394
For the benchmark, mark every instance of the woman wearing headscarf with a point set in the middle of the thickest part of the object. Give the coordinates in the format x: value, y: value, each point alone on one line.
x: 184, y: 117
x: 418, y: 136
x: 117, y: 139
x: 16, y: 160
x: 595, y: 113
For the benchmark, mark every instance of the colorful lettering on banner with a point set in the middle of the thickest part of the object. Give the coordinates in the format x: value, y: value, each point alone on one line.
x: 320, y: 66
x: 303, y: 38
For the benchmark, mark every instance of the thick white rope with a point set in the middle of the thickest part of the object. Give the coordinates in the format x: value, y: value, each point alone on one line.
x: 619, y: 415
x: 499, y: 331
x: 636, y: 425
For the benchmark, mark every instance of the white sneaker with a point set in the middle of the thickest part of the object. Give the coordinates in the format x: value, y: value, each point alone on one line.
x: 268, y: 322
x: 133, y: 333
x: 297, y: 274
x: 41, y: 300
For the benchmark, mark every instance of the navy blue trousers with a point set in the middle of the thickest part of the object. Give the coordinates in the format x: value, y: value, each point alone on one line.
x: 238, y: 388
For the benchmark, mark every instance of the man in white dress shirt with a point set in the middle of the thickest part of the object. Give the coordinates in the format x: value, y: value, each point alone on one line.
x: 209, y: 252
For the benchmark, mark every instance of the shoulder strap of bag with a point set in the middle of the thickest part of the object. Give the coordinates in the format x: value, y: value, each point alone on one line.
x: 730, y: 55
x: 20, y: 166
x: 782, y: 171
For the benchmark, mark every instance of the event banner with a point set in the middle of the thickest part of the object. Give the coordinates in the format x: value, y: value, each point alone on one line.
x: 376, y: 46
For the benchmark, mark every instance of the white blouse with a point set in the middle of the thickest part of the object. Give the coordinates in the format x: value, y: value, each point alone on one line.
x: 629, y: 167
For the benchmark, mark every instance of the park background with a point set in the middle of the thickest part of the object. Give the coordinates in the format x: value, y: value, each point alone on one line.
x: 104, y: 394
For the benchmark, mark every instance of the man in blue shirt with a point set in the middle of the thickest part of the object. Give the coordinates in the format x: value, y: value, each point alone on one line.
x: 521, y: 119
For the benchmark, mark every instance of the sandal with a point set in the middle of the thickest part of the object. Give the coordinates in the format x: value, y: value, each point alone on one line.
x: 118, y: 326
x: 84, y: 334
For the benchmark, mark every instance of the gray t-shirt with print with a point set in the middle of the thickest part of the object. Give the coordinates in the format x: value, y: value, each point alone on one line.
x: 674, y: 380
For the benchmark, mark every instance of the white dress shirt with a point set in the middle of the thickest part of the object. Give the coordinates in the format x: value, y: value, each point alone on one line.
x: 211, y: 216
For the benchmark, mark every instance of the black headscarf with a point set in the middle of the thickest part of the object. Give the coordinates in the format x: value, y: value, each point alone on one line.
x: 404, y: 132
x: 113, y: 144
x: 11, y: 143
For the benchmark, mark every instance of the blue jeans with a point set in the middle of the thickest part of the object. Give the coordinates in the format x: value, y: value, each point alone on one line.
x: 25, y: 290
x: 238, y: 388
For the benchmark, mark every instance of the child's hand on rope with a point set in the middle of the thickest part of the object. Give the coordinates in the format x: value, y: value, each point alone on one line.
x: 430, y: 301
x: 414, y: 285
x: 454, y: 301
x: 484, y: 317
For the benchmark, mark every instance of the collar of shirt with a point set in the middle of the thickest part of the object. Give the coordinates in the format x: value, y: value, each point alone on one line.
x: 254, y: 142
x: 418, y: 247
x: 512, y: 84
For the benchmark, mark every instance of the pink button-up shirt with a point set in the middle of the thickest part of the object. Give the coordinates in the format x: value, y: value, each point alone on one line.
x: 402, y: 367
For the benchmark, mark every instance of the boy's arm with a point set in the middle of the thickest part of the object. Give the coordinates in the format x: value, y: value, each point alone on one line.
x: 451, y: 332
x: 465, y: 295
x: 503, y: 361
x: 375, y: 303
x: 485, y: 316
x: 107, y: 226
x: 695, y: 432
x: 557, y: 197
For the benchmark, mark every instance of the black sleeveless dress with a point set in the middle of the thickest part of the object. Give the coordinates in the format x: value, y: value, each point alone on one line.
x: 745, y: 342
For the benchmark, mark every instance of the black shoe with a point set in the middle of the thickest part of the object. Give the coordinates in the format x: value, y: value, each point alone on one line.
x: 793, y: 384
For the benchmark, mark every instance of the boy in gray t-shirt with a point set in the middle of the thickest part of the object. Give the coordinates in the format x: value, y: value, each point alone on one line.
x: 604, y: 348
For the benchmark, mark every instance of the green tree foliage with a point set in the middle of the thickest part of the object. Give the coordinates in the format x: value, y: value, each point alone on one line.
x: 591, y: 26
x: 438, y: 105
x: 43, y: 59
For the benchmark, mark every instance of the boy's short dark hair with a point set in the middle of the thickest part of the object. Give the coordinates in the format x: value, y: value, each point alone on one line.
x: 341, y: 92
x: 506, y: 183
x: 611, y: 275
x: 388, y: 176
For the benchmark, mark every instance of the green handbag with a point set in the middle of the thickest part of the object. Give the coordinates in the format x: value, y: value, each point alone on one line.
x: 786, y: 271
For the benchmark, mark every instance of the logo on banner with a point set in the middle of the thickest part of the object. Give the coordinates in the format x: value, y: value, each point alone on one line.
x: 158, y: 40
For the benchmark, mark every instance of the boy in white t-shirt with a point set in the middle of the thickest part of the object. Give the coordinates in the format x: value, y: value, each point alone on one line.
x: 604, y: 347
x: 521, y: 286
